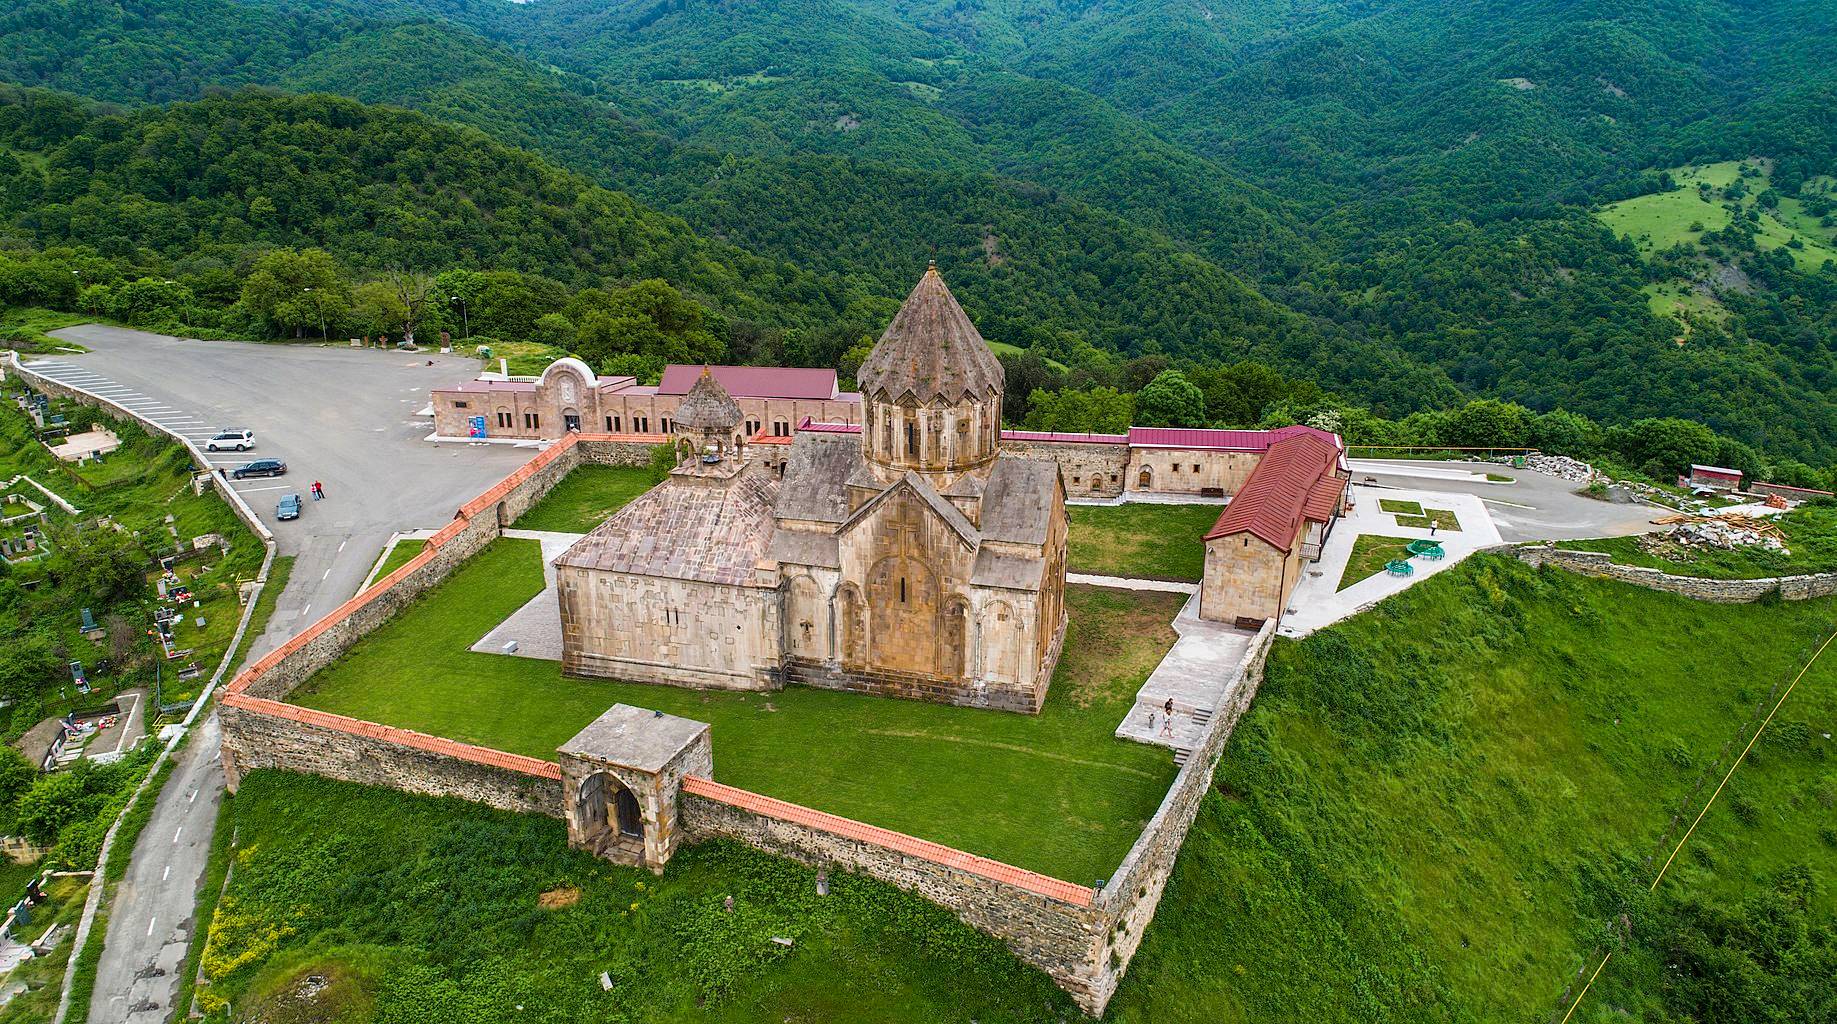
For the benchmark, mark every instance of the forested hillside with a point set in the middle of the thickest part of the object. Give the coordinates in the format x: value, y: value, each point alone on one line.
x: 1396, y: 201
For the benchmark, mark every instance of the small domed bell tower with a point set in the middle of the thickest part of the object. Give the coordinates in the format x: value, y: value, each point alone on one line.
x: 709, y: 442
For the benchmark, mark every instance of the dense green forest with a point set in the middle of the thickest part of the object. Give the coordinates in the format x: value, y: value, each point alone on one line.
x: 1397, y: 202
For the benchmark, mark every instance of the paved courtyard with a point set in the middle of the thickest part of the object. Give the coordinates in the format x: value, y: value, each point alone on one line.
x: 1317, y: 601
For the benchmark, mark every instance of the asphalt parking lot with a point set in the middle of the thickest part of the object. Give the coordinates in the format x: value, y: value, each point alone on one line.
x: 341, y: 416
x: 1531, y: 507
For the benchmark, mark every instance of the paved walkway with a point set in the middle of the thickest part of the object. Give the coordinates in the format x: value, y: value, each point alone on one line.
x: 536, y: 627
x: 1317, y: 603
x: 1129, y: 583
x: 1149, y: 498
x: 1196, y: 673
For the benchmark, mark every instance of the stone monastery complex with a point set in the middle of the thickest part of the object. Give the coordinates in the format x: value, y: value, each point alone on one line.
x: 894, y: 542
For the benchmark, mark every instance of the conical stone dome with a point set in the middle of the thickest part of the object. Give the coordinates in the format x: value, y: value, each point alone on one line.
x: 708, y: 406
x: 931, y: 350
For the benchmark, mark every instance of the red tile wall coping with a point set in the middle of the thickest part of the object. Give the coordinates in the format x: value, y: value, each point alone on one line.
x: 1032, y: 881
x: 400, y: 737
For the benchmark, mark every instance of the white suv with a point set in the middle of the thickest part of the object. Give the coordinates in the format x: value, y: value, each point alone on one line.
x: 231, y: 440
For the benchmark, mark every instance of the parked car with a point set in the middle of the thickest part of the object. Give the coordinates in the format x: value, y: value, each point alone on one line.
x: 228, y: 439
x: 289, y: 508
x: 260, y: 467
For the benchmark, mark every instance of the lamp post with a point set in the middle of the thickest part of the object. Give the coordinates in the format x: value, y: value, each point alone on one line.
x: 465, y: 321
x: 318, y: 304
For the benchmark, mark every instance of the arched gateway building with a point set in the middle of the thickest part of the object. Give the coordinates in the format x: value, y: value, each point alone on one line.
x: 910, y: 559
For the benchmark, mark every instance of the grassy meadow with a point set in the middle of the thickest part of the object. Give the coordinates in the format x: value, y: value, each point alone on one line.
x: 1438, y: 830
x: 1810, y: 536
x: 586, y: 497
x: 1140, y: 540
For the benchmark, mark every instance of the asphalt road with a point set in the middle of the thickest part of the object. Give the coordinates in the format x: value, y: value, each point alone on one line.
x: 1532, y: 507
x: 340, y: 416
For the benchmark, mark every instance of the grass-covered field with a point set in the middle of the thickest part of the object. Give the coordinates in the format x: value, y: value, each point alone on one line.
x: 42, y: 977
x: 420, y: 910
x: 1140, y: 540
x: 399, y: 555
x: 1055, y: 792
x: 1370, y: 553
x: 1438, y: 830
x: 1680, y: 217
x: 586, y: 497
x: 145, y: 481
x: 1810, y: 537
x: 1433, y: 810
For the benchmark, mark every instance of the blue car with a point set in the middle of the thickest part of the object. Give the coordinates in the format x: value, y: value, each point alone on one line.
x: 289, y: 507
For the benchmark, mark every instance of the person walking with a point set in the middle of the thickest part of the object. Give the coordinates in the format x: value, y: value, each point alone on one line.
x: 1432, y: 526
x: 318, y: 490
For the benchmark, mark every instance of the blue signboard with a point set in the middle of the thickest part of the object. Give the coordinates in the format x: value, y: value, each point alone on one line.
x: 475, y: 426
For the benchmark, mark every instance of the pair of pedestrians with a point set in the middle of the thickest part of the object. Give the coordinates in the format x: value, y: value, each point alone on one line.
x: 318, y: 490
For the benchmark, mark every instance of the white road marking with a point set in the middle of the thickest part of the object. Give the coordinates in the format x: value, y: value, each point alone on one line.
x: 252, y: 490
x: 150, y: 922
x: 323, y: 575
x: 304, y: 610
x: 342, y: 543
x: 166, y: 874
x: 175, y: 835
x: 193, y: 796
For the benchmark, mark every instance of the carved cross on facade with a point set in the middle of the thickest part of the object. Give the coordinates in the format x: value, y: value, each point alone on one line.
x: 906, y: 527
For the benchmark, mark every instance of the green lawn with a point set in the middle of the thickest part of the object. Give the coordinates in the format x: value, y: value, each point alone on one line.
x: 586, y: 497
x: 1440, y: 517
x: 1810, y: 536
x: 399, y: 555
x: 1140, y: 540
x: 43, y: 977
x: 416, y: 909
x: 1432, y: 810
x: 1370, y: 553
x: 1055, y: 792
x: 1400, y: 507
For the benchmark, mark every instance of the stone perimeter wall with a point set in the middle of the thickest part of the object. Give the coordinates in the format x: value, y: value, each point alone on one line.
x: 1602, y: 564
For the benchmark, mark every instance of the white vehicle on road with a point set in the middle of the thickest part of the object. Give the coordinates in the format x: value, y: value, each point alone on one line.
x: 231, y: 440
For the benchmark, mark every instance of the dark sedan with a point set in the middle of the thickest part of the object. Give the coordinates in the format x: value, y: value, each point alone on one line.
x: 260, y: 467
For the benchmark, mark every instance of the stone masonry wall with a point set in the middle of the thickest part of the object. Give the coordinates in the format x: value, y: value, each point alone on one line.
x: 1602, y: 564
x: 1091, y: 470
x: 1059, y: 936
x: 254, y: 738
x: 1128, y: 900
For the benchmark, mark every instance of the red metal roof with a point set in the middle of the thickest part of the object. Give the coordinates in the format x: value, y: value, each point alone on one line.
x: 829, y: 428
x: 1221, y: 440
x: 1293, y: 483
x: 754, y: 381
x: 1733, y: 474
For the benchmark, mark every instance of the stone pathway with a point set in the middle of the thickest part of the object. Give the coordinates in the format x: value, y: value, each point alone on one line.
x: 1316, y: 603
x: 1128, y: 583
x: 1196, y: 673
x: 536, y: 627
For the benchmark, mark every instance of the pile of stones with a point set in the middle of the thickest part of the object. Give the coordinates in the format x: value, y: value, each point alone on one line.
x: 1726, y: 533
x: 1560, y: 466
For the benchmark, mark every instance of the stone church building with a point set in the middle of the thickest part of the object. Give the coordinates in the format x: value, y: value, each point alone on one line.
x: 913, y: 558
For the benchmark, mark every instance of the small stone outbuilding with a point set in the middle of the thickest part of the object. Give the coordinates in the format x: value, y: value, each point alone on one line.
x: 621, y: 780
